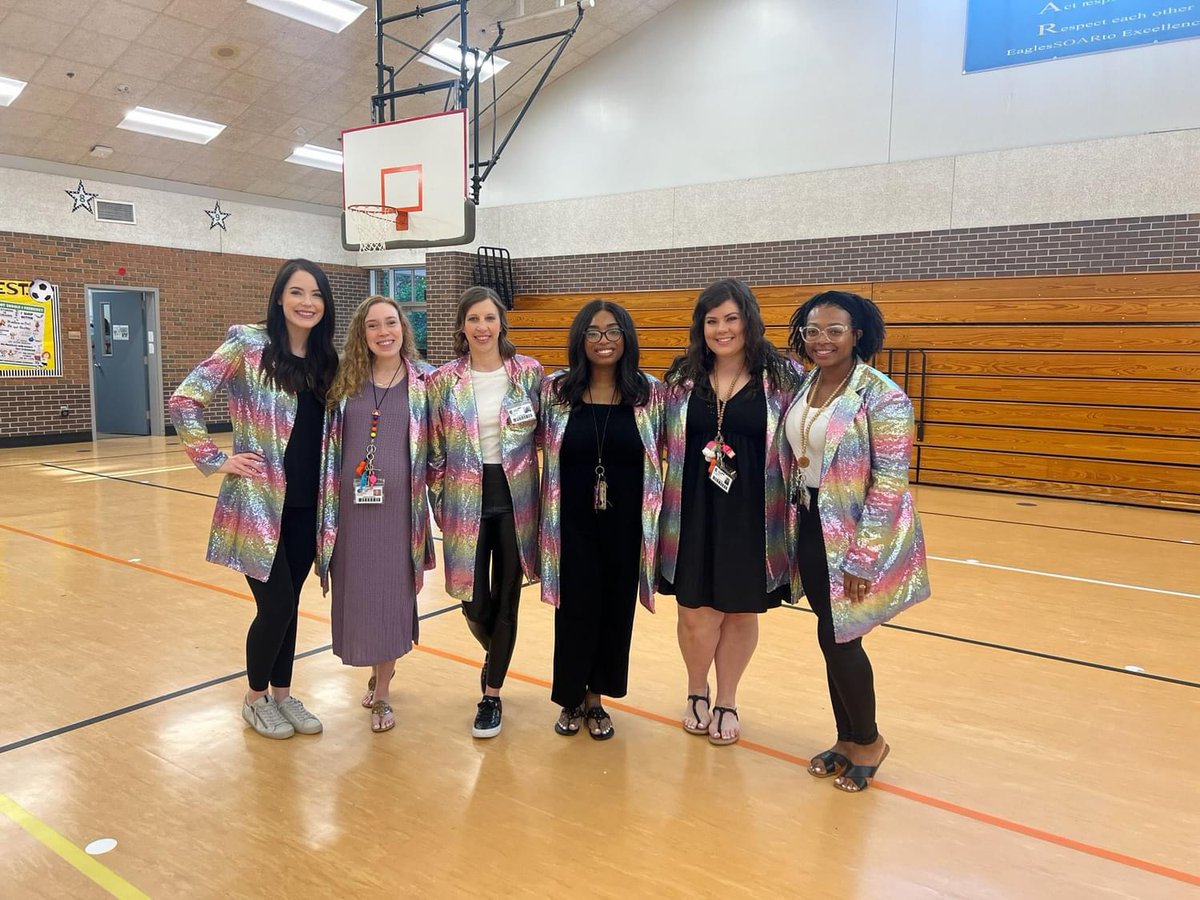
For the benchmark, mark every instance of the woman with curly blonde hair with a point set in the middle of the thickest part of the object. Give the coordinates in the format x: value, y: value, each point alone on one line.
x: 374, y: 539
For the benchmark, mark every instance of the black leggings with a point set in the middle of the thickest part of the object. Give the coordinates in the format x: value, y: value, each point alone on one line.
x: 847, y: 668
x: 492, y: 612
x: 271, y: 640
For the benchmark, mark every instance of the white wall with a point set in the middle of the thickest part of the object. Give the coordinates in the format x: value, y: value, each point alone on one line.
x: 713, y: 91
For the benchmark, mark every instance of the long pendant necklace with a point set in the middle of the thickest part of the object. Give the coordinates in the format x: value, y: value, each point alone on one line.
x: 806, y: 426
x: 600, y: 490
x: 365, y: 470
x: 716, y: 451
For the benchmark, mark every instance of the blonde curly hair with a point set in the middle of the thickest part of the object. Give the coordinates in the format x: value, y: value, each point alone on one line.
x: 355, y: 367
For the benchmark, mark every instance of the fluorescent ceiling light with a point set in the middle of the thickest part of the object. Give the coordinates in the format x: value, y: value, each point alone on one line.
x: 448, y: 54
x: 10, y: 89
x: 169, y: 125
x: 332, y: 15
x: 317, y: 157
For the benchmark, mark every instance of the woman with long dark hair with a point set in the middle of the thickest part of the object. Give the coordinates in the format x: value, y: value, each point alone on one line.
x: 722, y: 544
x: 859, y: 550
x: 277, y: 376
x: 483, y: 481
x: 374, y: 537
x: 601, y: 494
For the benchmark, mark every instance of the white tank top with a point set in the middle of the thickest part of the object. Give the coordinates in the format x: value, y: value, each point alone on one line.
x: 490, y: 388
x: 816, y: 437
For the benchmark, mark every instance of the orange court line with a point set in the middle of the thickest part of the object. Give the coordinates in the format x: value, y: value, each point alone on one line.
x: 966, y: 812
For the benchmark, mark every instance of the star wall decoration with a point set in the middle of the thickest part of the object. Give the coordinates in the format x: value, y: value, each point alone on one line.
x: 218, y: 216
x: 81, y: 198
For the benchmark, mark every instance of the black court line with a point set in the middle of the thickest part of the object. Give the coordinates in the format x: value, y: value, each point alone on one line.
x: 153, y: 701
x: 1023, y: 651
x: 1134, y: 537
x: 152, y: 484
x: 44, y: 462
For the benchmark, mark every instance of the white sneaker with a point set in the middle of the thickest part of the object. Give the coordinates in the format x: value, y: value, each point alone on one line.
x: 298, y: 717
x: 263, y: 716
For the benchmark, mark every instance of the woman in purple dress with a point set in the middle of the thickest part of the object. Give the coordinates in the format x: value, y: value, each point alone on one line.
x: 375, y: 539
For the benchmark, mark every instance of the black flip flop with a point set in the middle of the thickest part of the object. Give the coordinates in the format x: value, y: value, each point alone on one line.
x: 597, y: 715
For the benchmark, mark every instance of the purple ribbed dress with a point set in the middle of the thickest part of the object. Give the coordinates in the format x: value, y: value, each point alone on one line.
x: 374, y: 604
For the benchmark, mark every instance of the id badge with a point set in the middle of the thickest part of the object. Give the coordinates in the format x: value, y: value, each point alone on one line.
x: 522, y: 413
x: 722, y: 477
x: 369, y: 493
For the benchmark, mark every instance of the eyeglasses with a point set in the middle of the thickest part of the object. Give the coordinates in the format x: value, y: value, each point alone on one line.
x: 834, y: 332
x: 593, y: 335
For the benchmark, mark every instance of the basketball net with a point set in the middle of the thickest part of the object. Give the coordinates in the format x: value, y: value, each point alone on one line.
x: 376, y: 225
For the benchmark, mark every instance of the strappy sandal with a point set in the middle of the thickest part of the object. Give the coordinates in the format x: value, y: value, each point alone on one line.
x: 380, y: 710
x: 833, y: 762
x: 701, y: 727
x: 597, y: 714
x: 368, y: 699
x: 860, y: 776
x: 569, y: 720
x: 719, y: 713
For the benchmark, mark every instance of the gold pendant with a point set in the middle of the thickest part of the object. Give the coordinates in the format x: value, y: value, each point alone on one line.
x: 804, y: 462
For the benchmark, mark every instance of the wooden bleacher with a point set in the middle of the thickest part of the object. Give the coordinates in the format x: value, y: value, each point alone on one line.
x: 1068, y: 386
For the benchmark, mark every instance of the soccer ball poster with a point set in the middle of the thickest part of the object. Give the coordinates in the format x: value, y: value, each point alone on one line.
x: 29, y: 338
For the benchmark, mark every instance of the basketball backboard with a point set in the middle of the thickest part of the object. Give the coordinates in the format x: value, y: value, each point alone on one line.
x: 412, y: 173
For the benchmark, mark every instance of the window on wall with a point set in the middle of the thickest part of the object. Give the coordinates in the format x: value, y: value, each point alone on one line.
x: 407, y: 287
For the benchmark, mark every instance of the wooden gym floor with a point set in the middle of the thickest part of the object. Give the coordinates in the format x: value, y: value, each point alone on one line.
x: 1042, y: 711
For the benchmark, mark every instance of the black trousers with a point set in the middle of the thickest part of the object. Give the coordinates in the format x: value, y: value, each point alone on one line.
x: 492, y: 612
x: 847, y: 668
x: 593, y: 625
x: 271, y: 640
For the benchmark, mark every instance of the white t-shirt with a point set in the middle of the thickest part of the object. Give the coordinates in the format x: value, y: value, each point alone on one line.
x: 816, y: 437
x: 490, y: 388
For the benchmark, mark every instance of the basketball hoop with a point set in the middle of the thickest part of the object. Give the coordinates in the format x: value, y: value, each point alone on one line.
x: 376, y: 224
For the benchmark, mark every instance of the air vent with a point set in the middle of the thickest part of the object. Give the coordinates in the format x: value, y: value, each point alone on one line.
x: 115, y: 211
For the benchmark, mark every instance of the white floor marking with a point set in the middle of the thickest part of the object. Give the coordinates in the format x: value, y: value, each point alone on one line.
x: 1131, y: 587
x: 100, y: 845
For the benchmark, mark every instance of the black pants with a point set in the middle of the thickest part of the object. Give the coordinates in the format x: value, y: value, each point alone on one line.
x: 847, y: 668
x: 271, y: 641
x: 492, y: 612
x: 593, y: 625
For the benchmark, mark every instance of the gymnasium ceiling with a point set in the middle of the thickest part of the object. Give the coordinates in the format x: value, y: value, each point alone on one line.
x: 274, y: 82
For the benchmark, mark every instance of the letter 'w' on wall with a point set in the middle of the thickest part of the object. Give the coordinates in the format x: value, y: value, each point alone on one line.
x: 1004, y: 33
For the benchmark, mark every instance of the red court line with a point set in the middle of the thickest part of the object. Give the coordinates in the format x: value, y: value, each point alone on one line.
x: 966, y: 812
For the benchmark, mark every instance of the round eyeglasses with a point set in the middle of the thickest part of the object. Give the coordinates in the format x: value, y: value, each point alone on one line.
x: 593, y: 335
x: 835, y: 333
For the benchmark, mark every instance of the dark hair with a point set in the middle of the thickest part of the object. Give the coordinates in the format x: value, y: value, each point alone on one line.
x: 315, y: 370
x: 864, y: 316
x: 470, y: 297
x: 696, y: 363
x: 631, y: 382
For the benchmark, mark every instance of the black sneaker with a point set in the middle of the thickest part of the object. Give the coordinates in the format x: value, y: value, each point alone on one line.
x: 487, y: 719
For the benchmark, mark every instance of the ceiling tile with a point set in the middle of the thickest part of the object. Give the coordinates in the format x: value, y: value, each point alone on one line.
x: 286, y: 99
x: 95, y: 49
x: 156, y: 5
x: 271, y: 64
x: 23, y: 122
x: 150, y: 145
x: 306, y: 41
x: 239, y: 139
x: 29, y: 33
x: 125, y: 88
x: 330, y: 197
x: 275, y: 148
x: 20, y: 145
x: 219, y: 109
x: 299, y: 128
x: 174, y: 35
x: 197, y: 75
x: 173, y: 98
x: 268, y: 187
x: 146, y: 62
x: 238, y: 86
x: 67, y: 13
x: 117, y: 19
x: 209, y: 13
x: 301, y: 192
x: 98, y: 111
x: 39, y: 98
x: 69, y: 76
x: 150, y: 166
x: 207, y: 51
x: 22, y: 64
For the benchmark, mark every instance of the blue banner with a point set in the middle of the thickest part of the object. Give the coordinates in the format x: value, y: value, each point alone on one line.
x: 1014, y: 32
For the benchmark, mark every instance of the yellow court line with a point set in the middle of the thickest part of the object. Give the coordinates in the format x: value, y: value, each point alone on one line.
x: 78, y: 859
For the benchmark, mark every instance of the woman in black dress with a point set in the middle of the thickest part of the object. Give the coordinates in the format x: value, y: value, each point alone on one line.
x: 601, y: 492
x: 722, y: 547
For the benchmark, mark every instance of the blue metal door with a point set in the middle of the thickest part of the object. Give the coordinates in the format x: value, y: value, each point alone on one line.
x: 120, y: 377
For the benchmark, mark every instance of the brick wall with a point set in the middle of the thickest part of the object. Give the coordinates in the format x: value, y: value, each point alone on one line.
x: 1146, y: 244
x: 447, y: 275
x: 200, y: 295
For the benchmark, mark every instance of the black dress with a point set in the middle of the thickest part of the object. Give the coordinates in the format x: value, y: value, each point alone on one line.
x: 722, y: 562
x: 601, y: 554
